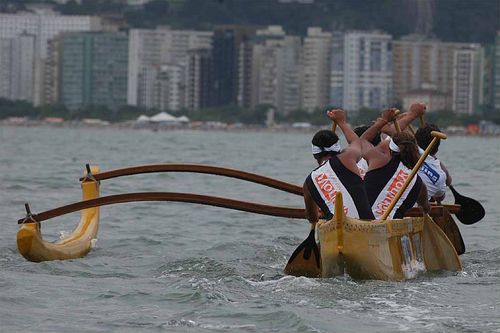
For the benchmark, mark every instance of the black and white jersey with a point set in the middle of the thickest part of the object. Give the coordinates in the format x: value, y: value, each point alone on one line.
x: 383, y: 184
x: 332, y: 177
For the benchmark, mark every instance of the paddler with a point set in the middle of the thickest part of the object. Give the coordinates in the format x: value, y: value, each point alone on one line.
x: 389, y: 164
x: 433, y: 172
x: 337, y: 171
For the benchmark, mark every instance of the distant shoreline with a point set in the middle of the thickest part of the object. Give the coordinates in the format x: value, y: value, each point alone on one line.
x: 209, y: 126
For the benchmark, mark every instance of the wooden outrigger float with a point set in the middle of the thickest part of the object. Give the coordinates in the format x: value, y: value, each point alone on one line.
x: 369, y: 244
x: 33, y: 247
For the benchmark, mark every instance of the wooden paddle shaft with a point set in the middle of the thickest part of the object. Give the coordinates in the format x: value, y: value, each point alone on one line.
x: 437, y: 136
x: 396, y: 125
x: 395, y: 121
x: 411, y: 129
x: 422, y: 122
x: 339, y: 220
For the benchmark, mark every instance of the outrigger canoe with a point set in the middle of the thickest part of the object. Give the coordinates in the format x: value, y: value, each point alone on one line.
x: 390, y: 250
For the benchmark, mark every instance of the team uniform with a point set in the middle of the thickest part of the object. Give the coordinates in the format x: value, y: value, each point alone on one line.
x: 383, y: 184
x: 332, y: 177
x: 433, y: 176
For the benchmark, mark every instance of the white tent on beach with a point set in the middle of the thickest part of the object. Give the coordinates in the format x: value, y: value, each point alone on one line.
x: 183, y: 119
x: 162, y: 117
x: 142, y: 119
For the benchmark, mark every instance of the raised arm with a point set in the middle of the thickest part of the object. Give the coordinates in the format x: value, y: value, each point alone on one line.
x: 416, y: 110
x: 377, y: 156
x: 338, y: 116
x: 386, y: 117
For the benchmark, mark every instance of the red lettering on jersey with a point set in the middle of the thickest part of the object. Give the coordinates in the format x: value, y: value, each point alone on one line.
x: 327, y: 188
x: 393, y: 189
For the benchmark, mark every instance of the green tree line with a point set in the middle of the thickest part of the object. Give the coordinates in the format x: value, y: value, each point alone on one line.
x: 227, y: 114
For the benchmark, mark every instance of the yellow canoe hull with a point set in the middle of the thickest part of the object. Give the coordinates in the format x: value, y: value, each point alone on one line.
x: 33, y: 247
x: 391, y: 250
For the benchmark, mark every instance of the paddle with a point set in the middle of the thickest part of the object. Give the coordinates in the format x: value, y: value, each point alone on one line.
x: 436, y: 136
x: 471, y: 210
x: 450, y: 228
x: 306, y: 259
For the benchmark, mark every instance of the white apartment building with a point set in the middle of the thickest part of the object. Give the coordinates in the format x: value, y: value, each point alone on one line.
x: 276, y: 70
x: 170, y: 87
x: 17, y: 59
x: 43, y: 26
x: 315, y: 76
x: 466, y: 80
x: 361, y: 70
x: 149, y: 50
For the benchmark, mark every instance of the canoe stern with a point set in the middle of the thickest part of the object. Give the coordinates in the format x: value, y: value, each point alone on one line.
x: 385, y: 250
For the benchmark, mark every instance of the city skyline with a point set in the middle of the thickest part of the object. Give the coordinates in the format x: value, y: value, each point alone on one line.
x: 247, y: 66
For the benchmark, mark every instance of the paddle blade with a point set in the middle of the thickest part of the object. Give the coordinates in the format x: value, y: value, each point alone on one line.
x: 450, y: 228
x: 306, y: 259
x: 471, y: 212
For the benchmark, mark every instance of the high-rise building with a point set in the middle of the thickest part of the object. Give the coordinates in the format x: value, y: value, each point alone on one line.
x: 275, y: 70
x: 361, y: 70
x: 170, y: 87
x: 440, y: 66
x: 94, y: 69
x: 51, y: 74
x: 153, y: 54
x: 315, y: 76
x: 496, y: 75
x: 199, y: 76
x: 466, y: 80
x: 486, y: 77
x: 17, y: 59
x: 231, y: 65
x: 43, y: 26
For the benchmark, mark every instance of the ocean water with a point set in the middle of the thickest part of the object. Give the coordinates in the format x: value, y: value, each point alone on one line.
x: 174, y: 267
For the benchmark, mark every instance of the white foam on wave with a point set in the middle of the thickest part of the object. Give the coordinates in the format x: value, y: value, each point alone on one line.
x: 285, y: 281
x: 182, y: 323
x: 390, y: 311
x: 63, y: 234
x: 228, y: 327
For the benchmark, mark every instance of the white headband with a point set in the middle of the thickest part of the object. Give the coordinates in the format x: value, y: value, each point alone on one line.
x: 335, y: 147
x: 393, y: 146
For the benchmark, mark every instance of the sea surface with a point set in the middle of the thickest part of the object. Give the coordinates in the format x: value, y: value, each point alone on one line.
x: 176, y: 267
